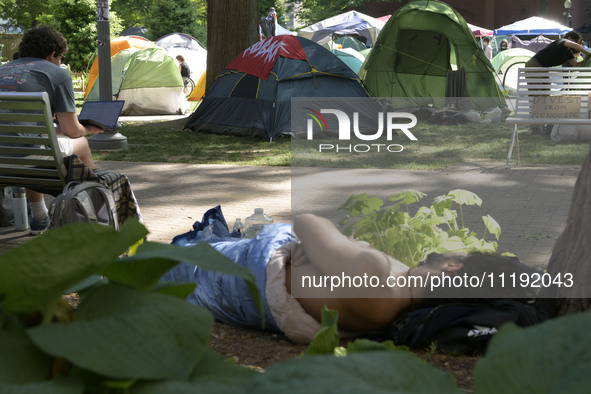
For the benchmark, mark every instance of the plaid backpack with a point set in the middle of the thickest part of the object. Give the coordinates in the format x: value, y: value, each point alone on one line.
x: 84, y: 202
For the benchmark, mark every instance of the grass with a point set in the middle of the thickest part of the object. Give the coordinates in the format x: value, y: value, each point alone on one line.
x: 166, y: 142
x: 441, y: 146
x: 437, y: 147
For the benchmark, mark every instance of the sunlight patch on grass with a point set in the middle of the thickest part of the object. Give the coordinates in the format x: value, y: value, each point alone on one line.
x: 437, y: 148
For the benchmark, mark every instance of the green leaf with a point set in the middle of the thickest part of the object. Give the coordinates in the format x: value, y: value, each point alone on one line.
x: 452, y: 244
x: 408, y: 196
x: 449, y: 216
x: 361, y: 204
x: 460, y: 233
x: 123, y: 333
x: 141, y: 274
x: 202, y: 255
x: 55, y: 386
x: 441, y: 203
x: 20, y: 361
x: 34, y: 276
x: 366, y: 345
x: 353, y: 204
x: 327, y: 338
x: 549, y: 357
x: 211, y: 375
x: 492, y: 226
x: 340, y: 351
x: 465, y: 197
x: 176, y: 289
x: 368, y: 372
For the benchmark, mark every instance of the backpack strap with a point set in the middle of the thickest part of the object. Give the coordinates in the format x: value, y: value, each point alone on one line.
x: 77, y: 191
x: 89, y: 206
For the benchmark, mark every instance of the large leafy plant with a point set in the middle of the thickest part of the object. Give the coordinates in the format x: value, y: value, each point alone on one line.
x: 128, y: 328
x: 551, y: 357
x: 131, y: 333
x: 393, y: 228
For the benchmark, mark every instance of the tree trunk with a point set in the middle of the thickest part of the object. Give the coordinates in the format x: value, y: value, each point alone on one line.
x: 572, y: 252
x: 232, y: 26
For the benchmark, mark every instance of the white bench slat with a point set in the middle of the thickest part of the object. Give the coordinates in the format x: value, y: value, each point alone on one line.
x: 537, y: 82
x: 36, y: 162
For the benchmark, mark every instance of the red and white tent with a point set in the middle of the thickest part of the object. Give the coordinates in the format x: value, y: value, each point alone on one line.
x: 480, y: 31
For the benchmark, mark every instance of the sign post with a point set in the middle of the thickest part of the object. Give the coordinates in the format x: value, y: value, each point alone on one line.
x: 107, y: 140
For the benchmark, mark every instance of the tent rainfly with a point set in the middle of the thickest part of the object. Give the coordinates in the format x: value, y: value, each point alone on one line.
x: 350, y: 23
x: 423, y: 47
x: 252, y: 96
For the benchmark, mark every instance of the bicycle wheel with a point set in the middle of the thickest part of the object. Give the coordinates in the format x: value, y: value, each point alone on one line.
x: 188, y: 86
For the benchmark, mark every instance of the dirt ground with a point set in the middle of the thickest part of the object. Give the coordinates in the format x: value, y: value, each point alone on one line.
x: 260, y: 349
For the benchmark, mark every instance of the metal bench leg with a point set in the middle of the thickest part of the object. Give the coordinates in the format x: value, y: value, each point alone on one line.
x: 514, y: 141
x: 517, y: 144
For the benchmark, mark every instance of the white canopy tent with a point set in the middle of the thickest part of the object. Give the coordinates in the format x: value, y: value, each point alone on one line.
x: 349, y: 23
x: 187, y: 46
x: 533, y: 26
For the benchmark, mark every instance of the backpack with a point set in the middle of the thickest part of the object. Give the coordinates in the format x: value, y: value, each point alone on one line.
x: 84, y: 202
x: 463, y: 327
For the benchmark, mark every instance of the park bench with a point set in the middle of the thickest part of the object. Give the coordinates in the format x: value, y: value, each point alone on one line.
x: 33, y: 161
x: 36, y: 162
x: 557, y: 96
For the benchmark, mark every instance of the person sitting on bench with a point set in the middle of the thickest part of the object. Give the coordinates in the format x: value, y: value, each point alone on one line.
x: 41, y: 52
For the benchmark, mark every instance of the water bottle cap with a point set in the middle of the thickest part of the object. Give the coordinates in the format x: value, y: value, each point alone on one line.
x: 237, y: 218
x: 258, y: 210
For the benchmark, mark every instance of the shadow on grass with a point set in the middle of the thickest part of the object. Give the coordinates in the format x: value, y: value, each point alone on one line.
x: 437, y: 147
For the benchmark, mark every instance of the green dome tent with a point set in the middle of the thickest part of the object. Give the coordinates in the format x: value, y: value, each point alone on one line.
x: 148, y: 80
x: 420, y: 45
x: 350, y: 57
x: 506, y: 64
x: 118, y: 62
x: 350, y: 42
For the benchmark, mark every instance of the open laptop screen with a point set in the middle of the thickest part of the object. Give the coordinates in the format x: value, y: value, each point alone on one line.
x: 103, y: 114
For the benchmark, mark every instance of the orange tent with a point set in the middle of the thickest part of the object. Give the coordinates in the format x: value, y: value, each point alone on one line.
x: 199, y: 91
x: 117, y: 45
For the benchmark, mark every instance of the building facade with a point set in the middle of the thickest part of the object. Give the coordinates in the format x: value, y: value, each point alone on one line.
x: 492, y: 14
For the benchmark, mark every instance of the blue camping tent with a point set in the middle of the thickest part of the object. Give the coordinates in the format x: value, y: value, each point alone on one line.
x: 533, y: 26
x: 252, y: 96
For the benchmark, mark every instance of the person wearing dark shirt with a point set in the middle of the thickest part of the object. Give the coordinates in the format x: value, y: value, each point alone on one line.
x: 183, y: 67
x: 559, y: 51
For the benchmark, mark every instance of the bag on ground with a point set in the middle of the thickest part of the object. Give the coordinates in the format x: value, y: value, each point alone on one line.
x: 464, y: 327
x: 84, y: 202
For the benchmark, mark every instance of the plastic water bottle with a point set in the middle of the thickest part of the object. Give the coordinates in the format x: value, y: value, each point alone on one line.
x: 19, y: 206
x: 239, y: 227
x: 255, y: 222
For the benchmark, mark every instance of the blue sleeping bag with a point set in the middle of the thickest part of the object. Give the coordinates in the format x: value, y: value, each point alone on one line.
x: 227, y: 296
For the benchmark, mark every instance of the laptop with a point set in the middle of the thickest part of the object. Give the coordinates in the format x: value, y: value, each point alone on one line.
x: 102, y: 114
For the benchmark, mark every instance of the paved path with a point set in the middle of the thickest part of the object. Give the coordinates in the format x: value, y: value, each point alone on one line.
x: 530, y: 203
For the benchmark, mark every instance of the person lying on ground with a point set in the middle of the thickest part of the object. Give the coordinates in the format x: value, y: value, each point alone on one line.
x: 41, y: 52
x: 295, y: 269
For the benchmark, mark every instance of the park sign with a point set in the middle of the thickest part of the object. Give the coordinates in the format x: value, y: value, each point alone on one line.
x: 556, y: 107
